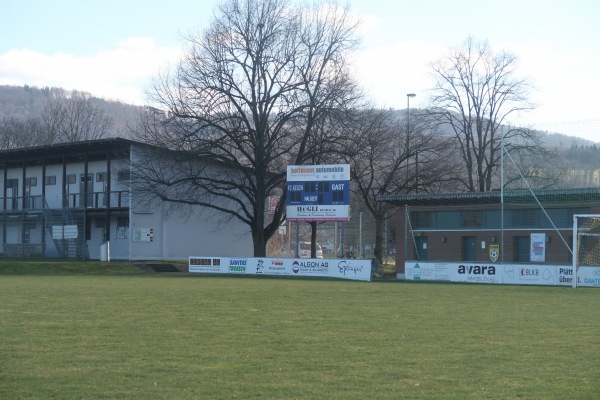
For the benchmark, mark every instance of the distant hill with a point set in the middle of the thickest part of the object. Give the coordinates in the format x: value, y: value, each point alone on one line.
x: 552, y: 140
x: 579, y: 157
x: 24, y: 102
x: 562, y: 141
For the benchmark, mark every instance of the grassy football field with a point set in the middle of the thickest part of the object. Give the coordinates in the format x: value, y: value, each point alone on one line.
x: 109, y: 331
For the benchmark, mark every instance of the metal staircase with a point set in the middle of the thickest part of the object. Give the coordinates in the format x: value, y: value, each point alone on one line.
x: 67, y: 229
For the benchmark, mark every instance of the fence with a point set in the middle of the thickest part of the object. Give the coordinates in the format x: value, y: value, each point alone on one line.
x: 352, y: 239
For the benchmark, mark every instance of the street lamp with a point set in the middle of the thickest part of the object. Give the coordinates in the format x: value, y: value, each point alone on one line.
x: 408, y: 96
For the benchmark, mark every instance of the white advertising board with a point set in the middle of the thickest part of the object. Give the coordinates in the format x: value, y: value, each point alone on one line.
x: 453, y: 272
x: 529, y: 274
x: 514, y: 274
x: 315, y: 267
x: 588, y: 276
x: 318, y: 213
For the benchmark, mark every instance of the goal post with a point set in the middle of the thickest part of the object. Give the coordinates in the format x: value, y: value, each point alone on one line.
x: 586, y: 243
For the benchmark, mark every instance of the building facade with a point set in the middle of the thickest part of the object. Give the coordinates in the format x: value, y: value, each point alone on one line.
x: 491, y: 227
x: 74, y: 200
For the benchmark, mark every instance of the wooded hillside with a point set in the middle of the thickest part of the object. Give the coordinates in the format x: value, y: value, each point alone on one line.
x: 27, y: 102
x: 23, y: 107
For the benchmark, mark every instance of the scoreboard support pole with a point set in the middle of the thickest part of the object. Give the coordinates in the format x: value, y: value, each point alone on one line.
x: 342, y: 240
x: 297, y: 239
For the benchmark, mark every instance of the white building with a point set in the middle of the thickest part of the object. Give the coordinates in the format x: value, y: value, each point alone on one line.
x: 69, y: 200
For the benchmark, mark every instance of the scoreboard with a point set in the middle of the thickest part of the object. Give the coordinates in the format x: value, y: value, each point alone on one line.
x: 318, y: 192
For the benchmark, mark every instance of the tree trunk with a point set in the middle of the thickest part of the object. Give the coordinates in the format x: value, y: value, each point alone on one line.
x: 313, y: 239
x: 379, y: 236
x: 258, y: 238
x: 258, y: 228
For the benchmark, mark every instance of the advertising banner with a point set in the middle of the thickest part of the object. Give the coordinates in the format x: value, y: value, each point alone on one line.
x: 270, y: 266
x: 515, y: 274
x: 205, y: 264
x: 418, y: 271
x: 475, y: 273
x: 588, y: 276
x: 529, y: 274
x: 453, y: 272
x: 308, y: 267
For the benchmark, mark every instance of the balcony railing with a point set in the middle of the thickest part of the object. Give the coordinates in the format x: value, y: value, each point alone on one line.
x: 117, y: 199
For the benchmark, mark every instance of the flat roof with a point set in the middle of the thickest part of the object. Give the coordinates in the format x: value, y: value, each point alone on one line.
x: 54, y: 153
x: 562, y: 196
x: 68, y: 146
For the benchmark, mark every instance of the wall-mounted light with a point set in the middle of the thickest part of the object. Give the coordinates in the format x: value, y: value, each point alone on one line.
x: 494, y: 238
x: 444, y: 239
x: 548, y: 238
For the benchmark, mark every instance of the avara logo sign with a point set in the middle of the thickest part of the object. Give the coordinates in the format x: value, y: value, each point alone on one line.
x: 477, y: 269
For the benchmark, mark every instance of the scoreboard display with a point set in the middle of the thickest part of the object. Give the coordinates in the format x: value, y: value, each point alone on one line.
x: 318, y: 192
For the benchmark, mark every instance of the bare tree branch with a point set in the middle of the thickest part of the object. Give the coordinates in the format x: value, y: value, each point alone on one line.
x: 476, y: 91
x: 385, y: 159
x: 247, y: 97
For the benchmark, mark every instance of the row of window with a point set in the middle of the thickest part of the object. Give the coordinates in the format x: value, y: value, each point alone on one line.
x: 513, y: 218
x: 122, y: 229
x: 521, y: 249
x: 100, y: 222
x: 50, y: 180
x: 121, y: 222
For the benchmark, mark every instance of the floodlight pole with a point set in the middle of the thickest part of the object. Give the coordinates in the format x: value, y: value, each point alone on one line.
x: 574, y: 253
x: 360, y: 234
x: 501, y: 194
x: 408, y: 96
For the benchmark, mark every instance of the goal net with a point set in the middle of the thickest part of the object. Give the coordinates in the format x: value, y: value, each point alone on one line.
x: 586, y: 246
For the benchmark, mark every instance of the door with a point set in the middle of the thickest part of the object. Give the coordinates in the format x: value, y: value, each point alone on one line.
x: 469, y: 248
x: 85, y: 191
x: 12, y: 194
x: 421, y: 247
x: 103, y: 197
x: 29, y: 200
x: 521, y: 249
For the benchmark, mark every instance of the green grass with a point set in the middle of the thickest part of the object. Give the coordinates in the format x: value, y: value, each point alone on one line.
x: 65, y: 267
x: 96, y: 335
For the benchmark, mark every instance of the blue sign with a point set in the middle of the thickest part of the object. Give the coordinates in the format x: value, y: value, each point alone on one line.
x: 318, y: 193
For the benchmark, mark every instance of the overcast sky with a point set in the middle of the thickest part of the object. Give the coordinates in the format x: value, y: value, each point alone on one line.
x: 112, y: 49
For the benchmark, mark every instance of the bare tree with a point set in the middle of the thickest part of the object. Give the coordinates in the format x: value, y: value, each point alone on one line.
x: 386, y: 159
x: 476, y: 91
x: 247, y: 97
x: 71, y: 117
x: 66, y: 117
x: 16, y: 133
x: 53, y: 119
x: 529, y: 163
